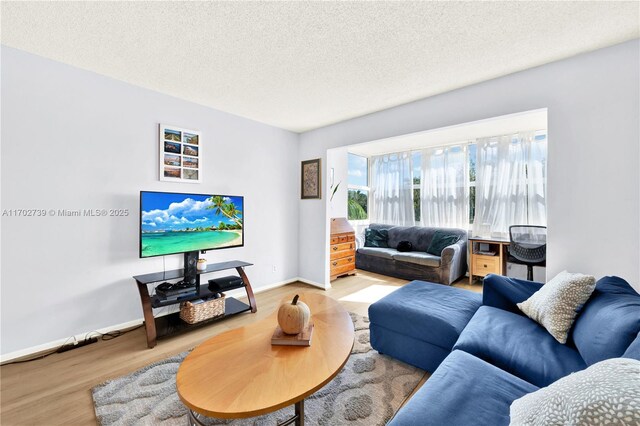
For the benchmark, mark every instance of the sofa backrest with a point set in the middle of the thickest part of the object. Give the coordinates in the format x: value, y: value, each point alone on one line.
x: 609, y: 321
x: 633, y: 351
x: 419, y: 236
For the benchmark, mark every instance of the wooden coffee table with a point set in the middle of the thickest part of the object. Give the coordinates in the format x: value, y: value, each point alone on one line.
x: 239, y: 374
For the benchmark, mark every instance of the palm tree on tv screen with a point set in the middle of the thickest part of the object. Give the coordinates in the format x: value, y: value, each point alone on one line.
x: 227, y: 209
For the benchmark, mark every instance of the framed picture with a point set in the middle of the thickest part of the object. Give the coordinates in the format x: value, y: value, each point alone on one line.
x: 310, y: 179
x: 180, y: 154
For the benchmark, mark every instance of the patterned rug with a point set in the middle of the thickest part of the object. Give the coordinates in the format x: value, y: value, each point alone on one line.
x: 368, y: 391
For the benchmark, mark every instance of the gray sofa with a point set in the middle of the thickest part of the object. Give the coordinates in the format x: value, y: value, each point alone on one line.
x: 416, y: 264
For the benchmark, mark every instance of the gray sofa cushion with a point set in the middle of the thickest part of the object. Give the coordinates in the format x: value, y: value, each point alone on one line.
x: 419, y: 258
x: 385, y: 253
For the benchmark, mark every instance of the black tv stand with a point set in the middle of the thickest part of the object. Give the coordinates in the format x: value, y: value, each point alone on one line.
x: 172, y: 324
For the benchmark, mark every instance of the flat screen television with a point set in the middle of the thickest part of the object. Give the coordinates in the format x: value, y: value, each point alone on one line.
x: 172, y: 223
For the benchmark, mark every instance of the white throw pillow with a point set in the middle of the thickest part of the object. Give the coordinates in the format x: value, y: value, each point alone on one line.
x: 555, y: 305
x: 607, y: 393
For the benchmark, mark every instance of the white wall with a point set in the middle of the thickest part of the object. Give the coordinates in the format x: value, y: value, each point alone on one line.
x: 593, y: 103
x: 73, y: 139
x: 338, y: 160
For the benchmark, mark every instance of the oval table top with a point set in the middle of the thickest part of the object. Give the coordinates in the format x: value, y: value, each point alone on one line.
x: 239, y: 374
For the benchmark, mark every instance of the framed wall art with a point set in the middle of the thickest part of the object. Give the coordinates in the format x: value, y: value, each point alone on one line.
x: 310, y: 179
x: 180, y: 154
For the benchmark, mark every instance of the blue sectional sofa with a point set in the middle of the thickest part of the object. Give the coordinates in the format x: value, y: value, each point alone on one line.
x: 484, y: 353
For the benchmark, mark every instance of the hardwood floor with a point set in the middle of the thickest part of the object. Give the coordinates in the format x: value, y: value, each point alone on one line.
x: 56, y: 390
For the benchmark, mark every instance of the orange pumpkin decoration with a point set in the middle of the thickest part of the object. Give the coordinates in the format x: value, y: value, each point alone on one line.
x: 293, y: 317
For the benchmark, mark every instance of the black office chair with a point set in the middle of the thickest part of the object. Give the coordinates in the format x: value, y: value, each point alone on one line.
x: 528, y: 246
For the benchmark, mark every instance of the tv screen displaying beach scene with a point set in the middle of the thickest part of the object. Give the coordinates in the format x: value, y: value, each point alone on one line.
x: 173, y: 223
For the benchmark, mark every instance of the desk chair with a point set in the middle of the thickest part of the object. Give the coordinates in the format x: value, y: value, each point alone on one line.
x: 528, y: 246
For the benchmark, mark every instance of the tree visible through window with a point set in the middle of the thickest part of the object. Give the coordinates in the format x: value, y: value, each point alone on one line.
x: 416, y: 165
x: 471, y: 152
x: 358, y: 188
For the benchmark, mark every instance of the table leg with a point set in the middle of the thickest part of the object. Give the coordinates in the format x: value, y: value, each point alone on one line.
x: 193, y: 420
x: 298, y: 417
x: 299, y: 407
x: 250, y: 296
x: 147, y: 310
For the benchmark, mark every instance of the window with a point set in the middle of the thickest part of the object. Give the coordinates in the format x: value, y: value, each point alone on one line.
x: 472, y: 152
x: 416, y: 159
x: 416, y: 165
x: 358, y: 188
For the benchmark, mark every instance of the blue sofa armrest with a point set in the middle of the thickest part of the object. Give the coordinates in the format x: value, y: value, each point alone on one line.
x: 504, y: 292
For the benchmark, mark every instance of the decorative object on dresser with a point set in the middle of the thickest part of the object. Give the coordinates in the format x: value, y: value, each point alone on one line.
x: 342, y: 248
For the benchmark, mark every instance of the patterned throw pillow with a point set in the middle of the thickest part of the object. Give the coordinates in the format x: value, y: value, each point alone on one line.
x: 440, y: 240
x: 557, y: 303
x: 376, y: 238
x: 607, y: 393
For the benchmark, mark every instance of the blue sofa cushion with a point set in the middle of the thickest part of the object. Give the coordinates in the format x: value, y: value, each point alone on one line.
x: 505, y: 293
x: 429, y: 312
x: 609, y: 322
x: 464, y: 390
x: 519, y: 346
x: 633, y: 351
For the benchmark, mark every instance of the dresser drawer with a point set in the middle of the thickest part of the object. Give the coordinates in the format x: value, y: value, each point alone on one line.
x: 341, y: 262
x: 342, y: 254
x: 343, y: 246
x: 338, y: 270
x: 483, y: 265
x: 345, y: 238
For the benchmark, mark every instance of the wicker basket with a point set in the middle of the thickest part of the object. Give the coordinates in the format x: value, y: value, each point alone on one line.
x: 192, y: 314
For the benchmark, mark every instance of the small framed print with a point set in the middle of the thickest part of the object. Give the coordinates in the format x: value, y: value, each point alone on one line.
x: 310, y: 179
x: 180, y: 154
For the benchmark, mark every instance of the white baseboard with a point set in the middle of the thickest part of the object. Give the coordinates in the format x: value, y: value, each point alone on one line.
x: 313, y: 283
x: 45, y: 347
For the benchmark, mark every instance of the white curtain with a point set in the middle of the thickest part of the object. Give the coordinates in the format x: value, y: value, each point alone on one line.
x: 537, y: 180
x: 391, y: 198
x: 444, y: 187
x: 510, y: 184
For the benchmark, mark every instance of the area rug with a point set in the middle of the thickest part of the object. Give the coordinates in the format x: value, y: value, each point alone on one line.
x: 368, y: 391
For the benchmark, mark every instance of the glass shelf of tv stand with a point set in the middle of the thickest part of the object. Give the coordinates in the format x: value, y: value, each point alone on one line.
x: 204, y: 292
x: 173, y: 274
x: 172, y: 324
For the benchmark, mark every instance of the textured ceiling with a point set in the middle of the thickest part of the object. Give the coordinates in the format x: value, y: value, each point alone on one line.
x: 303, y: 65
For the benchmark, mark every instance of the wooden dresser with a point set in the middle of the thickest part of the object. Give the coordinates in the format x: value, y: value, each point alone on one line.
x: 342, y: 258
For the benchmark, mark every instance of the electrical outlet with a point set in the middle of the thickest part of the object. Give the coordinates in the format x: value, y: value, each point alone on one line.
x: 274, y: 268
